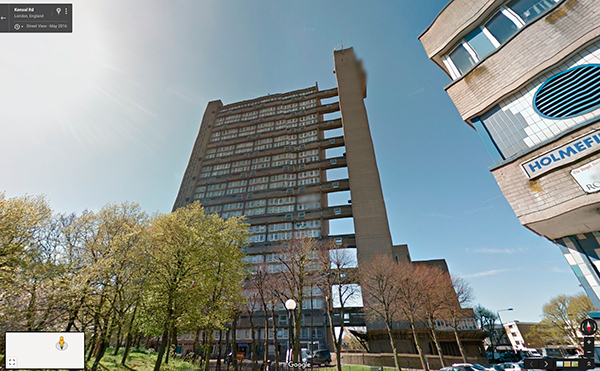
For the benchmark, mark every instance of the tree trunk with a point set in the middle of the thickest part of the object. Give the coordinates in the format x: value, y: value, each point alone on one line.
x: 128, y: 342
x: 419, y: 350
x: 203, y: 347
x: 437, y: 343
x: 104, y: 342
x: 337, y: 342
x: 196, y: 344
x: 389, y: 327
x: 219, y: 351
x: 266, y: 340
x: 92, y: 345
x: 30, y: 314
x: 253, y: 343
x: 275, y: 342
x: 103, y: 346
x: 208, y: 350
x: 163, y: 345
x: 174, y: 342
x: 129, y: 336
x: 118, y: 344
x: 148, y: 341
x: 460, y: 346
x: 169, y: 346
x: 94, y: 342
x: 228, y: 347
x: 234, y: 347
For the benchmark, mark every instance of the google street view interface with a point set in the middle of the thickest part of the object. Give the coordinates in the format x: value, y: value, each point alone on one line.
x: 216, y: 185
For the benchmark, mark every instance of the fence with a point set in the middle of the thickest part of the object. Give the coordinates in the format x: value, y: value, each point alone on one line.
x: 407, y: 361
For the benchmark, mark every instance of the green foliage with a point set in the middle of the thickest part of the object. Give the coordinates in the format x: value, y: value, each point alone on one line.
x: 197, y: 270
x: 486, y: 319
x: 561, y: 317
x: 197, y: 267
x: 140, y: 361
x: 117, y: 271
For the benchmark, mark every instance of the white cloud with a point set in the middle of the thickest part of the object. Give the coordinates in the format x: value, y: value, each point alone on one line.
x: 517, y: 250
x: 491, y: 272
x: 559, y: 270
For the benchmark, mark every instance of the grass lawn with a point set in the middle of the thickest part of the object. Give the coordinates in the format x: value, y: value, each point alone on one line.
x: 140, y: 361
x: 136, y: 361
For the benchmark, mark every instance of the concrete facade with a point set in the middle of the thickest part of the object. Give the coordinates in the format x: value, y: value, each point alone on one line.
x: 282, y: 137
x: 266, y: 159
x: 499, y: 91
x: 370, y: 217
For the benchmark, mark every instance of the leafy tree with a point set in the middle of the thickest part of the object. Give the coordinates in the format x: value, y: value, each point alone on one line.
x: 21, y: 219
x: 561, y: 317
x: 197, y: 269
x: 486, y: 320
x: 115, y: 248
x: 28, y: 284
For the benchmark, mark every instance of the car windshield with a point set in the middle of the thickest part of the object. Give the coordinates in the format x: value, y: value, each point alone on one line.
x: 478, y: 367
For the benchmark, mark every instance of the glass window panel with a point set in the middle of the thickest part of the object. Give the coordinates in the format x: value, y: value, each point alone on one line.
x: 462, y: 59
x: 480, y: 42
x: 501, y: 27
x: 528, y: 10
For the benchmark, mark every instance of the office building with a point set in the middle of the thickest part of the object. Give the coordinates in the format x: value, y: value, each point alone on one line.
x: 526, y: 76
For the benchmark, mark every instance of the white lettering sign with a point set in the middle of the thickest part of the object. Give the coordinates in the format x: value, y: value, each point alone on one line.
x: 588, y: 176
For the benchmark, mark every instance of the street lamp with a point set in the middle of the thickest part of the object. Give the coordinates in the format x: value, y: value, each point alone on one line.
x: 501, y: 324
x: 502, y: 310
x: 290, y: 305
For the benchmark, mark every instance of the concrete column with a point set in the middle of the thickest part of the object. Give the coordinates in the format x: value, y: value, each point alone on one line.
x: 368, y: 207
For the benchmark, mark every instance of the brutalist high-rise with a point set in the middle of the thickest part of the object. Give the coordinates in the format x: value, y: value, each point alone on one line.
x: 265, y: 158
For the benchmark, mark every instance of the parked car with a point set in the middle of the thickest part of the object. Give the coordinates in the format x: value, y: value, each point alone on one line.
x: 457, y: 368
x: 512, y: 366
x: 320, y: 357
x: 305, y: 354
x: 475, y: 366
x: 510, y: 357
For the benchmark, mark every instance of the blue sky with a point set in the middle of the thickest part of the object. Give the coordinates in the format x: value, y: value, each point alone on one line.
x: 110, y: 112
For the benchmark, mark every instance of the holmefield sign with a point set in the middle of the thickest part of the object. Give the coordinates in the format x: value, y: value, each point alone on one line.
x: 588, y: 176
x: 574, y: 150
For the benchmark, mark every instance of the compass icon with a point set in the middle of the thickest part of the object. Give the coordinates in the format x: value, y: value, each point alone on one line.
x: 588, y: 326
